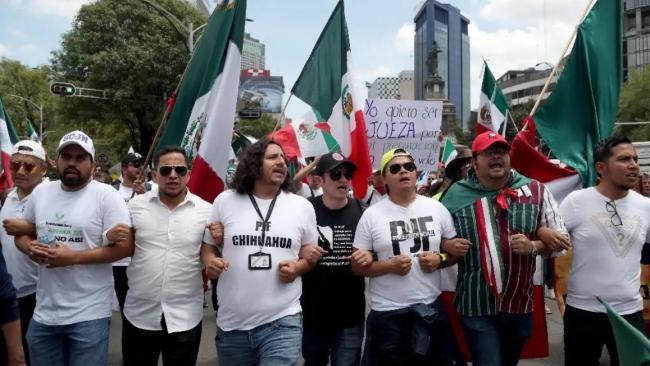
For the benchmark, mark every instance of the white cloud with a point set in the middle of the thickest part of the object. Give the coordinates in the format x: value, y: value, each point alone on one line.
x: 63, y: 8
x: 3, y: 50
x: 28, y: 47
x: 404, y: 38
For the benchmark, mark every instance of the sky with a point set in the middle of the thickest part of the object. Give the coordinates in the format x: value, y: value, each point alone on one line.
x: 508, y: 34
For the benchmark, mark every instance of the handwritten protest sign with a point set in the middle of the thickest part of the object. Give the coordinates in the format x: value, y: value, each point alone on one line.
x: 408, y: 124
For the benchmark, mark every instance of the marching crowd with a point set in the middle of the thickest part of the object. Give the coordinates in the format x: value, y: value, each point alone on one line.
x: 291, y: 269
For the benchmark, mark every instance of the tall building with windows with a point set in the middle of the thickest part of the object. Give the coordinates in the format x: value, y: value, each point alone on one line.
x: 445, y: 25
x: 400, y: 87
x: 253, y: 54
x: 636, y: 36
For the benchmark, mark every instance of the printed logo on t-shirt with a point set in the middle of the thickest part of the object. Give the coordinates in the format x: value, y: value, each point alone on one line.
x: 337, y: 240
x: 621, y: 238
x: 259, y: 240
x: 416, y: 229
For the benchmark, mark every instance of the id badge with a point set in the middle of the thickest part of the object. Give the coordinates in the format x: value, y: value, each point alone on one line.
x: 259, y: 261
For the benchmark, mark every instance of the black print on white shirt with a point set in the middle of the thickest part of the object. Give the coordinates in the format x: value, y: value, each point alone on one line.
x: 415, y: 229
x: 260, y: 224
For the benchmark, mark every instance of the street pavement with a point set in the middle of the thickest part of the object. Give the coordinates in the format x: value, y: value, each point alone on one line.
x: 208, y: 354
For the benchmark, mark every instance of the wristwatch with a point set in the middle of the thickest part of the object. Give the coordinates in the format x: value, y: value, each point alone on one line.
x: 443, y: 260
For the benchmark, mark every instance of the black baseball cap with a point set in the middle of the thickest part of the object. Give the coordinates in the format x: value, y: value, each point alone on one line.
x: 331, y: 161
x: 131, y: 158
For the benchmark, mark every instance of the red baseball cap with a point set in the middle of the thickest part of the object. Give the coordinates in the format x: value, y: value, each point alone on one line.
x: 483, y: 141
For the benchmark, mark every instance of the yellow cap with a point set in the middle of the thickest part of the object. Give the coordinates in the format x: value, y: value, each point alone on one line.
x: 392, y: 154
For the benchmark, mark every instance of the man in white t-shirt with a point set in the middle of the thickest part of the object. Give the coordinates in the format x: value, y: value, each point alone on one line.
x: 164, y: 304
x: 404, y: 231
x: 82, y: 226
x: 608, y: 224
x: 28, y: 166
x: 256, y: 259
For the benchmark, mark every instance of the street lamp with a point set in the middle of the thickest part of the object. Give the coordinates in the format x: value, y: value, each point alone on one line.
x: 40, y: 110
x: 185, y: 30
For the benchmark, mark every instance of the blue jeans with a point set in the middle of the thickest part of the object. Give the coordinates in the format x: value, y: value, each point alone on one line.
x: 78, y: 344
x: 496, y: 340
x: 273, y: 344
x: 344, y: 347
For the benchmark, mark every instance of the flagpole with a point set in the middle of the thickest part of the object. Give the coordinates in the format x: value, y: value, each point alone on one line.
x: 277, y: 124
x: 557, y: 64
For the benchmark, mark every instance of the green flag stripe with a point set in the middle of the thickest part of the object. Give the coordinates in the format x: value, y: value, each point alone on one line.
x: 13, y: 136
x: 490, y: 88
x: 319, y: 83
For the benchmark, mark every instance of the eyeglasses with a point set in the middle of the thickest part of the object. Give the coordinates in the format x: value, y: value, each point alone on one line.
x: 166, y: 170
x: 336, y: 175
x: 396, y: 168
x: 135, y: 164
x: 615, y: 218
x: 15, y: 166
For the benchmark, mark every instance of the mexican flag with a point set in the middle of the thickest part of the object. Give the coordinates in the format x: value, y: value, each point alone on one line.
x: 306, y: 138
x: 493, y: 106
x: 582, y: 108
x: 632, y: 346
x: 8, y: 137
x: 449, y: 152
x: 325, y: 84
x: 204, y: 108
x: 31, y: 132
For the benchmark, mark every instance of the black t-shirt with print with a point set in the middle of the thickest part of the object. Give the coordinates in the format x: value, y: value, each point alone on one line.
x: 332, y: 296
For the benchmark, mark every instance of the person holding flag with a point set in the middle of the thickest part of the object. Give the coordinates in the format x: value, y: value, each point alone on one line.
x: 503, y: 215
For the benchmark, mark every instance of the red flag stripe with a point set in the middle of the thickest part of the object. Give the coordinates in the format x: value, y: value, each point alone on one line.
x: 204, y: 182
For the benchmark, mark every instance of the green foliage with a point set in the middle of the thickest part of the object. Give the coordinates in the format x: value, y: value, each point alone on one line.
x: 32, y: 84
x: 256, y: 127
x: 132, y: 53
x: 634, y: 105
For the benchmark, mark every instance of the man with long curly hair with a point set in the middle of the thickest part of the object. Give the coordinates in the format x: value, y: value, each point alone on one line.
x: 257, y: 230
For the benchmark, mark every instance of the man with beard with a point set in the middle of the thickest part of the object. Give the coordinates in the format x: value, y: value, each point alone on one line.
x: 28, y: 166
x: 609, y: 224
x: 404, y: 230
x: 264, y: 226
x: 164, y: 304
x: 501, y: 213
x: 82, y: 226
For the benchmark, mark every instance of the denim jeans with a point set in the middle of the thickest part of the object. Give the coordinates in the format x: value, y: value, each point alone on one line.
x: 496, y: 340
x: 341, y: 349
x: 78, y: 344
x: 273, y: 344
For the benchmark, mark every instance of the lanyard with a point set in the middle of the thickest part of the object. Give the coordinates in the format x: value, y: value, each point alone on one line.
x: 265, y: 221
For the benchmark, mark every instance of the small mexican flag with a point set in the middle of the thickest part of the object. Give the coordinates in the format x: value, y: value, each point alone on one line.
x: 449, y: 153
x: 493, y: 106
x: 8, y: 137
x: 306, y: 138
x: 325, y: 84
x: 31, y: 132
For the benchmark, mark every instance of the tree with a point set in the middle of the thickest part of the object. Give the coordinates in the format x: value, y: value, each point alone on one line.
x: 257, y: 127
x: 132, y: 53
x: 634, y: 105
x: 18, y: 79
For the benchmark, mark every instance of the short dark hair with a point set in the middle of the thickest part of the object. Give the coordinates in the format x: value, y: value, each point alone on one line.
x: 250, y: 165
x: 168, y: 150
x: 603, y: 150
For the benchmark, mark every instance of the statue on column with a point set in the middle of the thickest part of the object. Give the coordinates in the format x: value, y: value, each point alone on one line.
x: 432, y: 59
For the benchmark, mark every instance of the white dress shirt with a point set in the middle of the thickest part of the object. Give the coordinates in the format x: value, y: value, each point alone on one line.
x: 165, y: 270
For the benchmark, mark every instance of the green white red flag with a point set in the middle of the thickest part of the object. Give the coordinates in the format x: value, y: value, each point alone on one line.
x: 31, y: 132
x: 204, y: 109
x: 493, y: 106
x: 8, y: 137
x: 325, y: 84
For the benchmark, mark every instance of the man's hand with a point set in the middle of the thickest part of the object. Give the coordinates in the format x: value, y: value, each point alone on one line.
x: 216, y: 230
x: 288, y: 271
x: 60, y: 255
x: 118, y: 233
x: 429, y: 261
x: 215, y: 266
x: 15, y: 227
x: 520, y: 244
x: 456, y: 247
x: 138, y: 186
x: 361, y: 257
x: 311, y: 253
x: 401, y: 264
x: 37, y: 252
x: 553, y: 239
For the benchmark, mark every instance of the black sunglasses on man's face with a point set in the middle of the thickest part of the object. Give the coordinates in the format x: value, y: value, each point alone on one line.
x: 166, y: 170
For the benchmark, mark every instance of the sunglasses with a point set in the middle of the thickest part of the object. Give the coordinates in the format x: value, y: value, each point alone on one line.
x: 15, y: 166
x: 396, y: 168
x: 166, y: 170
x: 135, y: 164
x: 337, y: 174
x: 615, y: 218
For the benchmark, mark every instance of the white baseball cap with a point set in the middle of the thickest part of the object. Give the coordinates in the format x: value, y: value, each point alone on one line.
x: 77, y: 138
x: 29, y: 147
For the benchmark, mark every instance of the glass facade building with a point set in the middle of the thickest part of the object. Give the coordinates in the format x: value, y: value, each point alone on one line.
x: 636, y: 39
x: 445, y: 25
